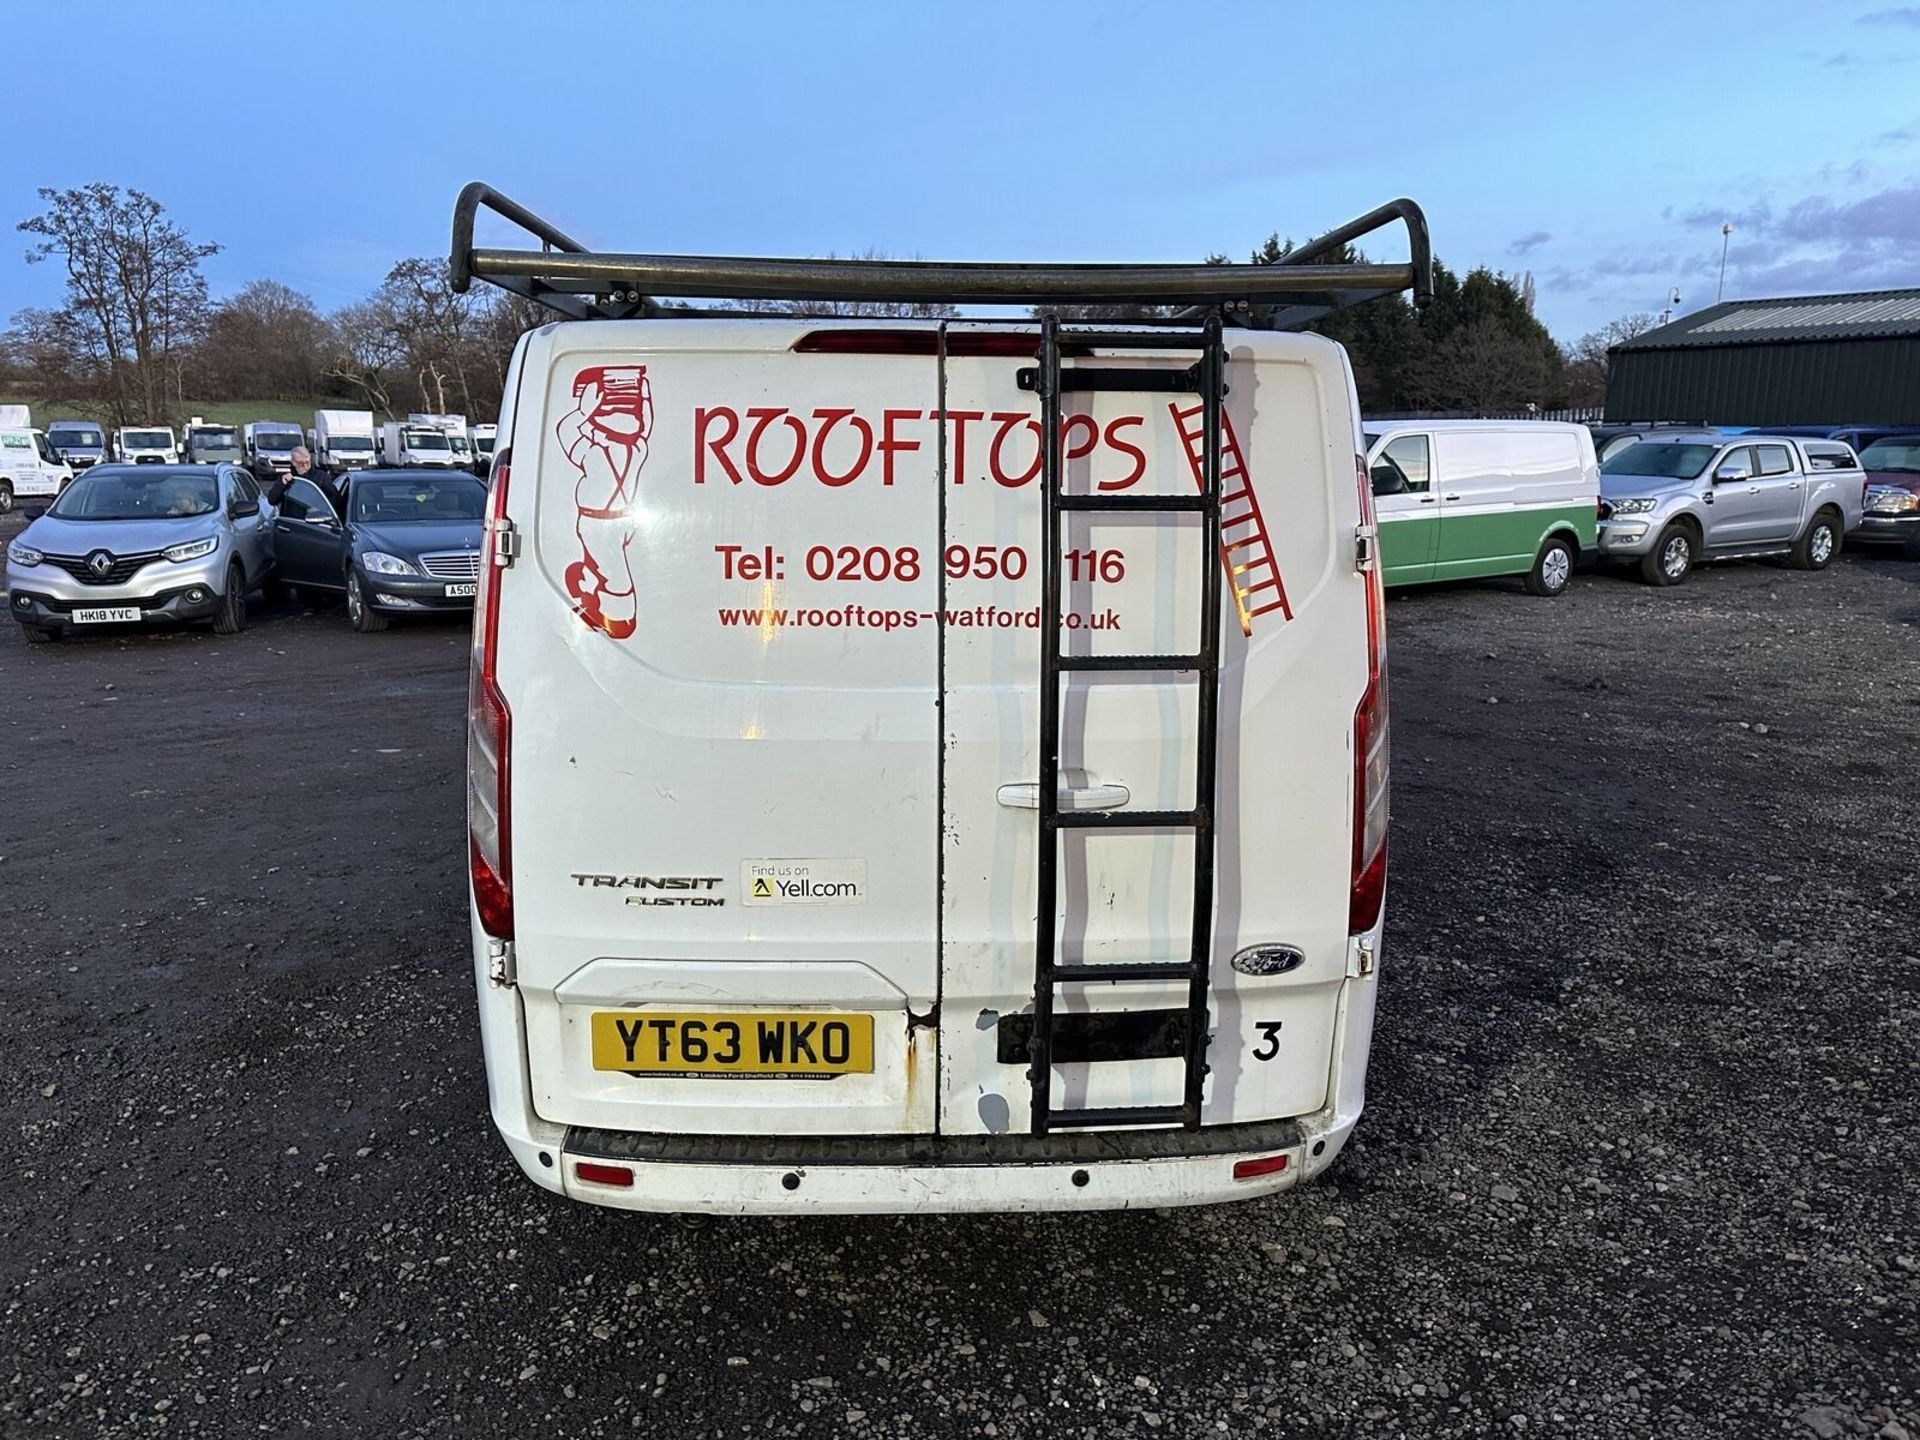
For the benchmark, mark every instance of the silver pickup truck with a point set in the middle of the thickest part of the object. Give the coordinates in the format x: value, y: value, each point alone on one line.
x: 1674, y: 501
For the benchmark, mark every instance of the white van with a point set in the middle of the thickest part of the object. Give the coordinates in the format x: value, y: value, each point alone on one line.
x: 1457, y: 499
x: 147, y: 445
x: 29, y: 467
x: 895, y: 783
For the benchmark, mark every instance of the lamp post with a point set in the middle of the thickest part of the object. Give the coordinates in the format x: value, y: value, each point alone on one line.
x: 1673, y: 303
x: 1726, y: 234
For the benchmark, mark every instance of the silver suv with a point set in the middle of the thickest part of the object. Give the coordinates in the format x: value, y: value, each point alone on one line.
x: 143, y: 544
x: 1673, y: 501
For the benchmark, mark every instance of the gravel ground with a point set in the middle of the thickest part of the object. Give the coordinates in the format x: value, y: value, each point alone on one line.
x: 1639, y: 1158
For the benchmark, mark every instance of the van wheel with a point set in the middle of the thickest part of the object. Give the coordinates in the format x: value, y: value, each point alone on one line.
x: 366, y: 620
x: 231, y: 618
x: 1818, y: 543
x: 1671, y: 558
x: 6, y: 497
x: 1552, y: 568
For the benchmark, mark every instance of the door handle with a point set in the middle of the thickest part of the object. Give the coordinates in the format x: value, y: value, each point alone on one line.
x: 1426, y: 499
x: 1793, y: 484
x: 1026, y: 796
x: 1452, y: 498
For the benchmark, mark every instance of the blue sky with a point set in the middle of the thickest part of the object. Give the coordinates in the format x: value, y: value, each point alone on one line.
x: 1600, y: 146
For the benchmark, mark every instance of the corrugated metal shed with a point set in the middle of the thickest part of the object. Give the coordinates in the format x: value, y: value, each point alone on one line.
x: 1803, y: 360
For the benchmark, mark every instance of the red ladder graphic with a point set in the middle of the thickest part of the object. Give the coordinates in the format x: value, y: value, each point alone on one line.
x: 1245, y: 549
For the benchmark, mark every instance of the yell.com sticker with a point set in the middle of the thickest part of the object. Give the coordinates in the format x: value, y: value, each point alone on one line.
x: 803, y: 882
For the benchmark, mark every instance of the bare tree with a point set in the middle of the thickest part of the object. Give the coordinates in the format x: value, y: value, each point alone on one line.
x: 433, y: 324
x: 135, y: 295
x: 268, y: 340
x: 1587, y: 357
x: 851, y: 309
x: 363, y: 353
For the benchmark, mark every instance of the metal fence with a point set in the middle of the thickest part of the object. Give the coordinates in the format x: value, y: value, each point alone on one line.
x: 1578, y: 415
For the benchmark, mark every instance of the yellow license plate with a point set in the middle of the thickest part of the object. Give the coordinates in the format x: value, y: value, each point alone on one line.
x: 750, y: 1042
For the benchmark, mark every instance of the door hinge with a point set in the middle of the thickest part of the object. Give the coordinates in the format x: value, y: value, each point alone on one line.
x: 1361, y: 958
x: 506, y: 543
x: 1366, y: 547
x: 501, y: 971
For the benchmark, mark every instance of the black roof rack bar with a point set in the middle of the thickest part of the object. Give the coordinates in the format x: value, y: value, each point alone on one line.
x: 564, y: 276
x: 1344, y: 296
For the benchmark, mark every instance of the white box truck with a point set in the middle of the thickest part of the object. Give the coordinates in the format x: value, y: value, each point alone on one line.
x: 932, y: 764
x: 343, y: 439
x: 454, y: 427
x: 407, y: 442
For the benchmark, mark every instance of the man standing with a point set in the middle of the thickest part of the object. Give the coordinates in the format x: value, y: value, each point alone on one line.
x: 305, y: 469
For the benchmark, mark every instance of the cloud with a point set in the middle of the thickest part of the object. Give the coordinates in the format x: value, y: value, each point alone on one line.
x: 1908, y: 15
x: 1756, y: 216
x: 1529, y: 242
x: 1900, y: 135
x: 1891, y: 215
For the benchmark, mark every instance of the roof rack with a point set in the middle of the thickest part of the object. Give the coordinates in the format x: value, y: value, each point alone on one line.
x: 566, y: 277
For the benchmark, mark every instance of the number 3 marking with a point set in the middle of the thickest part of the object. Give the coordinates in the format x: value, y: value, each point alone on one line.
x: 1269, y: 1039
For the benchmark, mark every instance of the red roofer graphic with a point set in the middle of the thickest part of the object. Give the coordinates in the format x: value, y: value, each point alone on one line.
x: 605, y: 437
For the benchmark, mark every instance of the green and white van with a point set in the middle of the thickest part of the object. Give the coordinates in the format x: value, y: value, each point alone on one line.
x: 1461, y: 499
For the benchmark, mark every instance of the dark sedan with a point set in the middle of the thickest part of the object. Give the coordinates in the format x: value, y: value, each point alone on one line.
x: 1893, y: 493
x: 401, y: 542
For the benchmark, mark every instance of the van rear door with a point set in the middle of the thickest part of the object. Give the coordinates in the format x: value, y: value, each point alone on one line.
x: 719, y: 651
x: 1288, y: 688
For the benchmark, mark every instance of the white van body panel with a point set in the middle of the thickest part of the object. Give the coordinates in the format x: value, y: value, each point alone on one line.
x: 28, y: 464
x: 800, y: 646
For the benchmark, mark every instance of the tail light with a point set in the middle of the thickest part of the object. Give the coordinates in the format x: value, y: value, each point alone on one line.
x: 489, y: 739
x: 1370, y: 753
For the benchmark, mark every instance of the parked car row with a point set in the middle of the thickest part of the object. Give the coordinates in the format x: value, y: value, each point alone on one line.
x: 160, y: 544
x: 338, y: 440
x: 1455, y: 499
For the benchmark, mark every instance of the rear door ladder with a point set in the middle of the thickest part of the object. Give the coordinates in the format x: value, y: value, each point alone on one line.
x: 1207, y: 380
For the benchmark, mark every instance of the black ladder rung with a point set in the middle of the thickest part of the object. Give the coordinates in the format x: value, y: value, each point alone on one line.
x: 1160, y: 379
x: 1117, y: 1115
x: 1132, y: 662
x: 1125, y: 819
x: 1136, y: 504
x: 1144, y: 970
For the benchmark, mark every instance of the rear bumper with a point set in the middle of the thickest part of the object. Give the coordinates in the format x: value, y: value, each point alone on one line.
x: 826, y: 1185
x: 755, y: 1175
